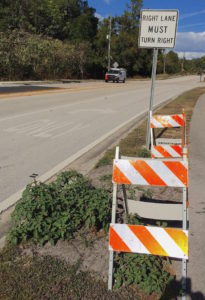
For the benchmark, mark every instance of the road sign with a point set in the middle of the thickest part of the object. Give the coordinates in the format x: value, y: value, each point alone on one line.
x: 116, y: 65
x: 158, y: 28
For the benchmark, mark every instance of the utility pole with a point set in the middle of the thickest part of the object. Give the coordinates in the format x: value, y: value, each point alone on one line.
x: 109, y: 41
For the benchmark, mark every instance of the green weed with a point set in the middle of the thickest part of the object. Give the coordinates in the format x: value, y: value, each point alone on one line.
x: 106, y: 177
x: 145, y: 271
x: 49, y: 212
x: 143, y: 153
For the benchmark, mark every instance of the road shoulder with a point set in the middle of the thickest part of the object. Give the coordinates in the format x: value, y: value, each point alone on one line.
x: 196, y: 263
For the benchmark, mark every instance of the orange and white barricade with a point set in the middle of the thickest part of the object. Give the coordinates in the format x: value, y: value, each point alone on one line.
x: 170, y: 242
x: 167, y: 148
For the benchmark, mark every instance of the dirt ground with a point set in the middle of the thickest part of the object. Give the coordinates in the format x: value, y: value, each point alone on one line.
x: 92, y: 254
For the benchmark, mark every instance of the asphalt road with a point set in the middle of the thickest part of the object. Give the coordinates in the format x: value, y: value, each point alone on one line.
x: 40, y: 131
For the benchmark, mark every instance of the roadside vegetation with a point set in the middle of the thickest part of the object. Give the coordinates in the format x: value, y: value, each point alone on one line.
x: 49, y: 212
x: 63, y: 210
x: 49, y: 39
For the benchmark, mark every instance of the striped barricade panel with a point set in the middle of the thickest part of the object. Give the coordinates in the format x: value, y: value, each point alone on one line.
x: 169, y: 242
x: 167, y: 121
x: 166, y: 151
x: 172, y: 173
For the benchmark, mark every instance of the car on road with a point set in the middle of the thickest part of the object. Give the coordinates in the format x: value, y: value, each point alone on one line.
x: 116, y: 75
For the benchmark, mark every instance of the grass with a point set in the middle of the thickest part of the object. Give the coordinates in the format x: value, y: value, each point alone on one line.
x: 106, y: 177
x: 134, y: 143
x: 24, y: 277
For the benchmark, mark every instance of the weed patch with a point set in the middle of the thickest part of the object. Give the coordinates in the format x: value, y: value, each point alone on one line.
x: 49, y: 212
x: 146, y: 271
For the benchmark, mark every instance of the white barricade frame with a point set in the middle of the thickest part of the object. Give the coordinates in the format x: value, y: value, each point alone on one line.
x: 181, y: 183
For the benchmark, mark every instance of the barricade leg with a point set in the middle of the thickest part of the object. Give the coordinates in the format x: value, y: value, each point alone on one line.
x: 110, y: 274
x: 184, y: 274
x: 114, y: 207
x: 184, y: 262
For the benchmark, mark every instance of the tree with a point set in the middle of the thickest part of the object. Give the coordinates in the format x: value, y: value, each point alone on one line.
x: 172, y: 63
x: 61, y: 19
x: 124, y: 46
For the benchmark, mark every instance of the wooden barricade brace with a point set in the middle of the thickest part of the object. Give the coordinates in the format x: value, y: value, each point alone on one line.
x: 171, y: 242
x: 167, y: 148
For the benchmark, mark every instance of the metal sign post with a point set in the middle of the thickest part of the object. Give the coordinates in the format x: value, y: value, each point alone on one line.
x: 154, y: 71
x: 157, y: 31
x: 109, y: 40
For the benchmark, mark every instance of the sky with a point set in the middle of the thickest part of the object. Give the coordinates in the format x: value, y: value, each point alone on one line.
x: 191, y: 26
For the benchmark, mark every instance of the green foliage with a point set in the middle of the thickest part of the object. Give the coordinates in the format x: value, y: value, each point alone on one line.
x: 26, y: 56
x: 62, y: 19
x: 145, y: 271
x: 106, y: 177
x: 107, y: 158
x: 134, y: 219
x: 124, y: 46
x: 147, y: 194
x: 49, y: 212
x: 161, y: 223
x: 143, y: 153
x: 51, y: 39
x: 132, y: 193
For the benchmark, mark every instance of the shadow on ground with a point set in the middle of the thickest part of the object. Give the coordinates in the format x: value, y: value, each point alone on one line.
x: 174, y: 290
x: 24, y: 88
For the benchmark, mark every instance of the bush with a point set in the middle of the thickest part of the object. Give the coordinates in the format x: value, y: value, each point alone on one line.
x: 144, y: 153
x: 49, y: 212
x: 147, y: 271
x: 29, y: 56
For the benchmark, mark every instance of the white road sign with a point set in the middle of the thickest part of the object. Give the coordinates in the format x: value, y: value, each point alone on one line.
x: 158, y: 28
x: 115, y: 65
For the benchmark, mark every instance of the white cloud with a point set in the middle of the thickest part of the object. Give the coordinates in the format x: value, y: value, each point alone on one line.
x: 99, y: 16
x: 189, y: 15
x: 191, y: 25
x: 190, y: 42
x: 107, y: 1
x: 190, y: 55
